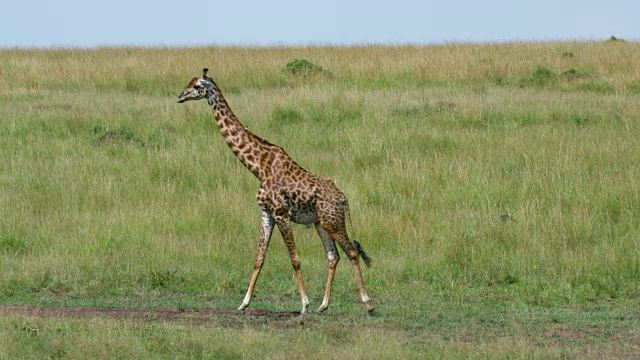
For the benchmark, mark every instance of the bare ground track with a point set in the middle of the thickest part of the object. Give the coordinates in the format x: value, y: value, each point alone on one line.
x: 156, y: 313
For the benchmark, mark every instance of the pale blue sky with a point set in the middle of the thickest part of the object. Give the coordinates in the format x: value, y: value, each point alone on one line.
x: 76, y: 23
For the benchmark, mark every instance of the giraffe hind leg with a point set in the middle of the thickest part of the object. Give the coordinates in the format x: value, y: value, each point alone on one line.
x: 333, y: 258
x: 340, y: 236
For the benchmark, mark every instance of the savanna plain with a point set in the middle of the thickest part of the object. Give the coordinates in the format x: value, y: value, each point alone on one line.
x: 495, y: 186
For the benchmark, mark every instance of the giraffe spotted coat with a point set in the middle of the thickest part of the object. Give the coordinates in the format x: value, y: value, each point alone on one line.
x: 287, y: 193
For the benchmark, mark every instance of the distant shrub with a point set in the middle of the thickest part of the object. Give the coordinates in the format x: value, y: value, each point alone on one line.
x: 541, y: 76
x: 567, y: 54
x: 615, y: 39
x: 301, y: 67
x: 575, y: 74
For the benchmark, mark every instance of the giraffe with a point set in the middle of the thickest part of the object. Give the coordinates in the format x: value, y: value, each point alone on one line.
x: 287, y: 193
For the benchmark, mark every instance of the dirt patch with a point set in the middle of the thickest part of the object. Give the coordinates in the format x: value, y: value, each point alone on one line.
x: 149, y: 314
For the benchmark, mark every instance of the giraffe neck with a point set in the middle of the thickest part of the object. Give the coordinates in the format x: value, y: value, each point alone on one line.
x: 246, y: 146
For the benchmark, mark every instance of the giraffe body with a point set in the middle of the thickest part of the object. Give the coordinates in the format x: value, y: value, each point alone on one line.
x: 288, y: 193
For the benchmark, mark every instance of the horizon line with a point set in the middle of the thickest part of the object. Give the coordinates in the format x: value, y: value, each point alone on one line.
x: 310, y: 44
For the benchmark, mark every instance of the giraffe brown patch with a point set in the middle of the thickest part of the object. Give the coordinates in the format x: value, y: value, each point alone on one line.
x: 264, y: 156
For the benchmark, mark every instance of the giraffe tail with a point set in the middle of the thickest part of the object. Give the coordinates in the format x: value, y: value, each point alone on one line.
x: 367, y: 260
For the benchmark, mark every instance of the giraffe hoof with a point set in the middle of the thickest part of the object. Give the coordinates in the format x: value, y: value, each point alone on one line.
x: 321, y: 309
x: 372, y: 312
x: 240, y: 310
x: 370, y: 307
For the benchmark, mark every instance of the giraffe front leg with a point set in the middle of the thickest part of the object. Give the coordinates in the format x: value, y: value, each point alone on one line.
x: 265, y: 237
x: 287, y: 235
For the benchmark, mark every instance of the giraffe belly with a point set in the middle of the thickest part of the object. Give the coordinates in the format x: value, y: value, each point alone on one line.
x: 304, y: 218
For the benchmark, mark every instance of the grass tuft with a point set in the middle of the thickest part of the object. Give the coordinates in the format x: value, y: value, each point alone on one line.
x: 118, y: 136
x: 574, y: 74
x: 13, y: 245
x: 287, y: 115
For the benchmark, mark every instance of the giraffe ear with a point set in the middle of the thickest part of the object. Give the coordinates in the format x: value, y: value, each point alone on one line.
x: 204, y: 73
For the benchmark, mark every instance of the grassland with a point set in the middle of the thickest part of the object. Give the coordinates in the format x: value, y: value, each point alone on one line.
x: 495, y: 185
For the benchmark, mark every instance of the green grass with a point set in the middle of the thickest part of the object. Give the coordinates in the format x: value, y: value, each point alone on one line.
x: 451, y: 331
x: 495, y: 186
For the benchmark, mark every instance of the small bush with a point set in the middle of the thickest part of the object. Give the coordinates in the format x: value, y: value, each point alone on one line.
x: 301, y: 67
x: 574, y: 74
x: 542, y: 76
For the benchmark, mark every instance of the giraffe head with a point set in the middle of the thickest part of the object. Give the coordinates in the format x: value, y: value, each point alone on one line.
x: 197, y: 88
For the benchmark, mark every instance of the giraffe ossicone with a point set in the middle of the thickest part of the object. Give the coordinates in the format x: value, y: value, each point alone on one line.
x: 288, y: 193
